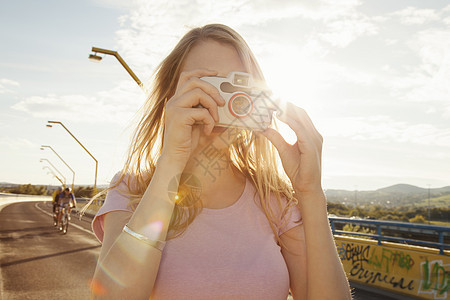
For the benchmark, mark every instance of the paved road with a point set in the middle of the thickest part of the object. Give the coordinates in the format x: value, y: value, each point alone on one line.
x: 38, y: 262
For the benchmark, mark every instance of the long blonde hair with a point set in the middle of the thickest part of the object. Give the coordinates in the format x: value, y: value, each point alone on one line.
x: 251, y: 154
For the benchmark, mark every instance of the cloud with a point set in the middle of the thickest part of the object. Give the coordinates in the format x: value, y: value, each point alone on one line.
x: 16, y: 143
x: 428, y: 80
x: 341, y: 32
x: 387, y: 129
x: 446, y: 112
x: 152, y: 28
x: 433, y: 47
x: 7, y: 85
x: 115, y: 4
x: 416, y: 16
x: 118, y: 105
x: 446, y: 20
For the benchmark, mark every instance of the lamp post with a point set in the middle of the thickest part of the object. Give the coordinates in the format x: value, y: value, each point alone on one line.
x: 73, y: 172
x: 53, y: 173
x: 429, y: 212
x: 94, y: 57
x: 96, y: 161
x: 44, y: 159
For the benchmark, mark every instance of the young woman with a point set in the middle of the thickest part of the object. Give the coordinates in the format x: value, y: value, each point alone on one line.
x: 203, y: 212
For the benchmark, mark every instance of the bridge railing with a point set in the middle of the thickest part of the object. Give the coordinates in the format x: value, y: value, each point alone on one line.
x: 93, y: 207
x: 440, y: 231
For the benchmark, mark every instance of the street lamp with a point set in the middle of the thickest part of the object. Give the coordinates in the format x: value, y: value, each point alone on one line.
x: 73, y: 172
x: 53, y: 173
x: 429, y: 212
x: 95, y: 58
x: 42, y: 159
x: 96, y: 161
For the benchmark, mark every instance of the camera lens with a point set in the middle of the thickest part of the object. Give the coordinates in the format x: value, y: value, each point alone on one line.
x: 240, y: 105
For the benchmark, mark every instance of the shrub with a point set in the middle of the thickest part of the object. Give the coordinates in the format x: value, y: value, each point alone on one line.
x: 357, y: 228
x: 418, y: 219
x: 390, y: 217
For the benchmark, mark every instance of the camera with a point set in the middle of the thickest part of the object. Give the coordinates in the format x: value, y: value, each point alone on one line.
x: 247, y: 104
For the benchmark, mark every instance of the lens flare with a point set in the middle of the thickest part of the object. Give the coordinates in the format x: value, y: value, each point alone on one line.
x: 97, y: 288
x: 153, y: 230
x: 110, y: 275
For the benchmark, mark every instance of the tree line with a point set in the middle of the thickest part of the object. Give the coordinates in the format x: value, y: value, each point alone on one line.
x: 43, y: 190
x: 401, y: 213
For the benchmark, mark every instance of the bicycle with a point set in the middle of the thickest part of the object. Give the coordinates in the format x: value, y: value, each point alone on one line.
x: 65, y: 218
x: 55, y: 215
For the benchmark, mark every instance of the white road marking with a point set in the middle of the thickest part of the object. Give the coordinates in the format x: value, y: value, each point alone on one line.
x: 6, y: 200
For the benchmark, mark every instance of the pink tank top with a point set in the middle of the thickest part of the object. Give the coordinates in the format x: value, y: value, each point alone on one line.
x: 228, y: 253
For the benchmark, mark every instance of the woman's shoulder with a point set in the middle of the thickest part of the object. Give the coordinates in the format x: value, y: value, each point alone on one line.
x: 127, y: 182
x: 120, y: 192
x: 118, y: 198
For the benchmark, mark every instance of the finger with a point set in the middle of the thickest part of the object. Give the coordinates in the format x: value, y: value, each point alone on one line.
x: 200, y: 115
x: 297, y: 127
x: 186, y: 75
x: 276, y: 139
x: 299, y: 114
x: 195, y: 97
x: 304, y: 130
x: 195, y: 82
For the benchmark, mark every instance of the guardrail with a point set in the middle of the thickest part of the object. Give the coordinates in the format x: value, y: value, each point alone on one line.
x: 380, y: 225
x: 93, y: 207
x: 98, y: 201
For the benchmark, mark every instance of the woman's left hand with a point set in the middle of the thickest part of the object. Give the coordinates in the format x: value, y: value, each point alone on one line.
x: 302, y: 161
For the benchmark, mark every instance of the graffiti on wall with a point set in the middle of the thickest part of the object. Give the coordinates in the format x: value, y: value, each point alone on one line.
x: 407, y: 271
x: 435, y: 279
x: 389, y: 258
x: 361, y: 258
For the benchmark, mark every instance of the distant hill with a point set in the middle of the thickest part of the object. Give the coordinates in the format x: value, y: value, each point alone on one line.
x: 51, y: 187
x: 8, y: 185
x: 408, y: 188
x: 395, y: 195
x: 402, y: 188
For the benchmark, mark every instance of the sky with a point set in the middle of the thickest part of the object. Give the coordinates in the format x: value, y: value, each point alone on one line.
x: 374, y: 76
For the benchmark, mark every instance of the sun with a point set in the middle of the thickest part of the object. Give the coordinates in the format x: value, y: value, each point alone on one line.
x: 293, y: 80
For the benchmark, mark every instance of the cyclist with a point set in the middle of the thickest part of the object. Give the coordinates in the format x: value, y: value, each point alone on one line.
x: 66, y: 199
x: 55, y: 198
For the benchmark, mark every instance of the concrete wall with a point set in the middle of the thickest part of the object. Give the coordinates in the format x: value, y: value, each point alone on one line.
x: 410, y: 270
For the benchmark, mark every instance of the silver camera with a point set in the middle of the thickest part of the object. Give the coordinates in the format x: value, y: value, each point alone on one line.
x: 247, y: 105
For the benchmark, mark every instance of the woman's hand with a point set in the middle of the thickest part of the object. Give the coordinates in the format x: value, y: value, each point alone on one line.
x: 302, y: 161
x: 182, y: 112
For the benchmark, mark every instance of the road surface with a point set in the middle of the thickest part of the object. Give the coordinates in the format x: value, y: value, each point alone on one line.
x: 38, y: 262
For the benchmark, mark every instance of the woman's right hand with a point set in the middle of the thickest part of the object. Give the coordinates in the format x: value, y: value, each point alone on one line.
x: 181, y: 133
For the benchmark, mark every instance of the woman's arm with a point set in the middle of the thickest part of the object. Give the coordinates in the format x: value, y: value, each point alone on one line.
x: 302, y: 163
x: 326, y: 275
x: 315, y: 270
x: 294, y: 253
x: 127, y: 266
